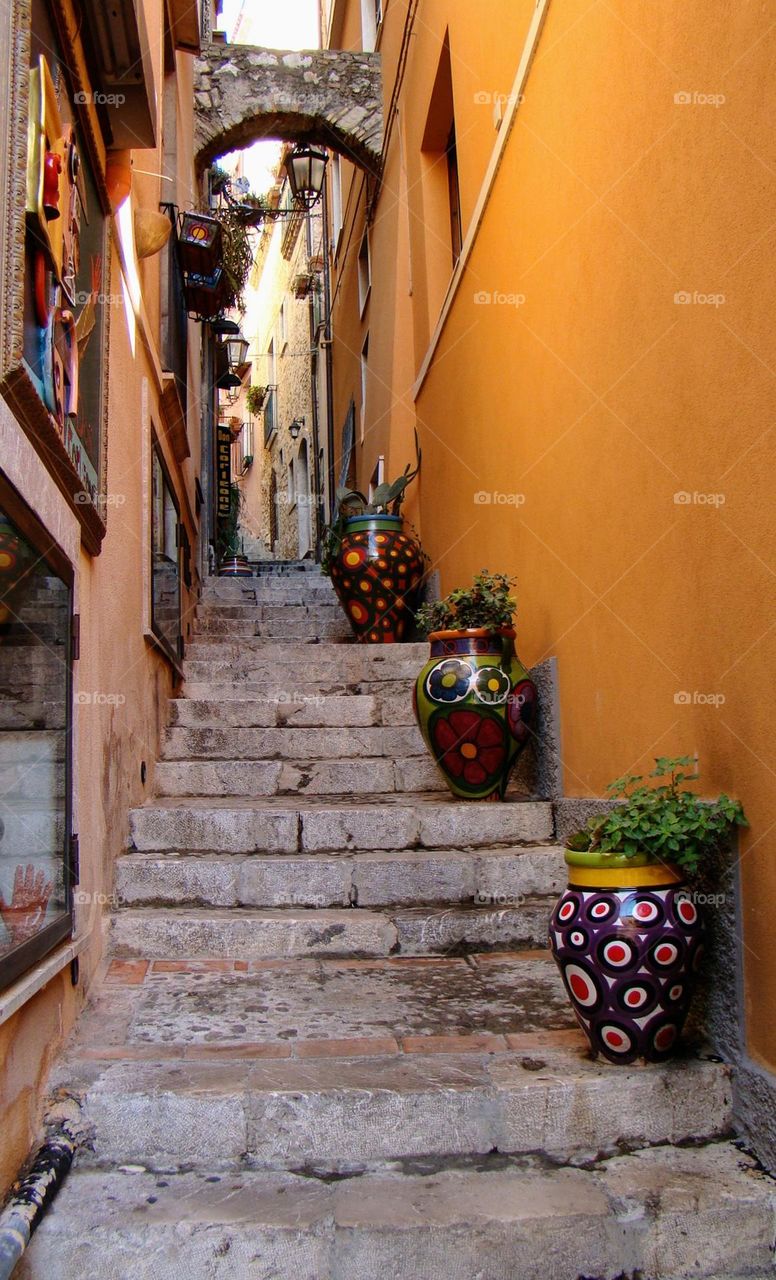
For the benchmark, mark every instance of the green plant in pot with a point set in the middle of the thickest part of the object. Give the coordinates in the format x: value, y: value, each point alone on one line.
x: 232, y: 564
x: 473, y: 700
x: 374, y: 563
x: 627, y: 934
x: 254, y: 400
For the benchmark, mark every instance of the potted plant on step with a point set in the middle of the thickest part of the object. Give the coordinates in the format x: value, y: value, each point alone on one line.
x: 627, y: 934
x: 231, y: 562
x: 374, y: 564
x: 473, y: 700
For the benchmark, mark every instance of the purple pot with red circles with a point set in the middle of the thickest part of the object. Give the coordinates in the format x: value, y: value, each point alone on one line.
x: 628, y: 940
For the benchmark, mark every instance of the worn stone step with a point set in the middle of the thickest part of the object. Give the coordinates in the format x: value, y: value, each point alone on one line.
x: 273, y: 674
x: 281, y: 613
x: 310, y: 631
x: 168, y: 934
x: 245, y: 713
x: 337, y: 1112
x: 394, y: 698
x: 314, y: 1007
x: 490, y: 879
x: 267, y: 826
x: 388, y: 660
x: 340, y: 777
x: 292, y: 743
x: 661, y: 1214
x: 352, y: 778
x: 276, y: 591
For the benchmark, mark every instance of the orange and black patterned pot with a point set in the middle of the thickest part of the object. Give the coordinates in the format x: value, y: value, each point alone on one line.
x: 376, y: 575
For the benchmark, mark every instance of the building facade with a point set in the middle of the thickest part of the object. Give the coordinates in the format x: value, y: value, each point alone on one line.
x: 284, y: 322
x: 99, y: 487
x: 537, y: 284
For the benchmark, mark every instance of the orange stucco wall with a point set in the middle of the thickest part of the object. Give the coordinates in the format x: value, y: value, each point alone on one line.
x: 626, y: 356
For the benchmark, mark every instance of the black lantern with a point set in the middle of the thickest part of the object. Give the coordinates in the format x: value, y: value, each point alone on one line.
x: 306, y: 167
x: 228, y: 380
x: 295, y: 428
x: 222, y: 326
x: 236, y: 349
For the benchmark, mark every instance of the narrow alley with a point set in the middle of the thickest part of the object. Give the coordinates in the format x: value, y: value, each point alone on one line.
x: 387, y: 819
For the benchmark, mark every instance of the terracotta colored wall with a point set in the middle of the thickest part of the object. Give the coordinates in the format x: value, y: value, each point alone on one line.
x: 111, y: 739
x: 28, y: 1044
x: 638, y: 226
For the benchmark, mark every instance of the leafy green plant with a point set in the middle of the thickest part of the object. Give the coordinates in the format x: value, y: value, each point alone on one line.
x: 665, y: 821
x: 387, y: 499
x: 486, y: 603
x: 237, y: 257
x: 228, y: 541
x: 254, y: 400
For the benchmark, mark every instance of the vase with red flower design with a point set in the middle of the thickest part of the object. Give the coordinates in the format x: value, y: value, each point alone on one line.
x: 627, y: 936
x: 475, y: 706
x: 375, y: 574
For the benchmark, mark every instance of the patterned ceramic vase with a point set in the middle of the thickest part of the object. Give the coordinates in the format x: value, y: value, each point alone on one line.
x: 375, y: 576
x: 628, y: 940
x: 235, y: 567
x: 475, y: 707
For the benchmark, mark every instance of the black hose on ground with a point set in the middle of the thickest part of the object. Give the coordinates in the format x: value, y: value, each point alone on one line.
x: 32, y: 1198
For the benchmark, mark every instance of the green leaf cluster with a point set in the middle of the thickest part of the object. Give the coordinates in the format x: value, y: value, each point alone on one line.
x: 660, y: 816
x: 254, y: 400
x: 387, y: 499
x: 488, y: 602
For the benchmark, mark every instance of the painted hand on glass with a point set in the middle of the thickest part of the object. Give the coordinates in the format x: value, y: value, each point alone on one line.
x: 24, y: 915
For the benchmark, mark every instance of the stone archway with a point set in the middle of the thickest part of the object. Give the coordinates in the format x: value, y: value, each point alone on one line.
x: 244, y: 93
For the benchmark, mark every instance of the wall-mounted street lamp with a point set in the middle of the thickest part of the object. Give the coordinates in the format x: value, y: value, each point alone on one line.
x: 222, y: 326
x: 295, y: 428
x: 228, y: 380
x: 306, y: 167
x: 237, y: 348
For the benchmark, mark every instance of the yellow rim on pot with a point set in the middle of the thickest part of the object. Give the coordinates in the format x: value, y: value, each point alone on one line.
x: 623, y: 877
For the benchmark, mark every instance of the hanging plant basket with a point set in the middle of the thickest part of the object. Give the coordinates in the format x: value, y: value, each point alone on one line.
x: 255, y: 398
x: 302, y: 285
x: 200, y: 243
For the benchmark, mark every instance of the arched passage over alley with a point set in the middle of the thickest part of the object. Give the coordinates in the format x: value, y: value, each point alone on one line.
x: 244, y: 93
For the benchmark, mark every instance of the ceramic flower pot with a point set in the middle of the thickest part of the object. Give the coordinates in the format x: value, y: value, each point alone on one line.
x: 475, y: 707
x: 628, y: 940
x: 375, y: 576
x: 235, y: 567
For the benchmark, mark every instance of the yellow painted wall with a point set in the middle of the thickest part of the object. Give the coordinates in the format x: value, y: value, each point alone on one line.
x: 633, y: 213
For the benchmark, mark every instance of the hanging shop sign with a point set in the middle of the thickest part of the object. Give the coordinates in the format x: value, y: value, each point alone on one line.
x: 223, y: 470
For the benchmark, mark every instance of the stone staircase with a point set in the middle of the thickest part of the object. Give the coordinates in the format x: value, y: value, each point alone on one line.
x: 331, y: 1044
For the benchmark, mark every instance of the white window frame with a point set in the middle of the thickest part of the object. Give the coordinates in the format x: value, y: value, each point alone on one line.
x: 364, y: 272
x: 335, y: 169
x: 371, y: 21
x: 364, y: 382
